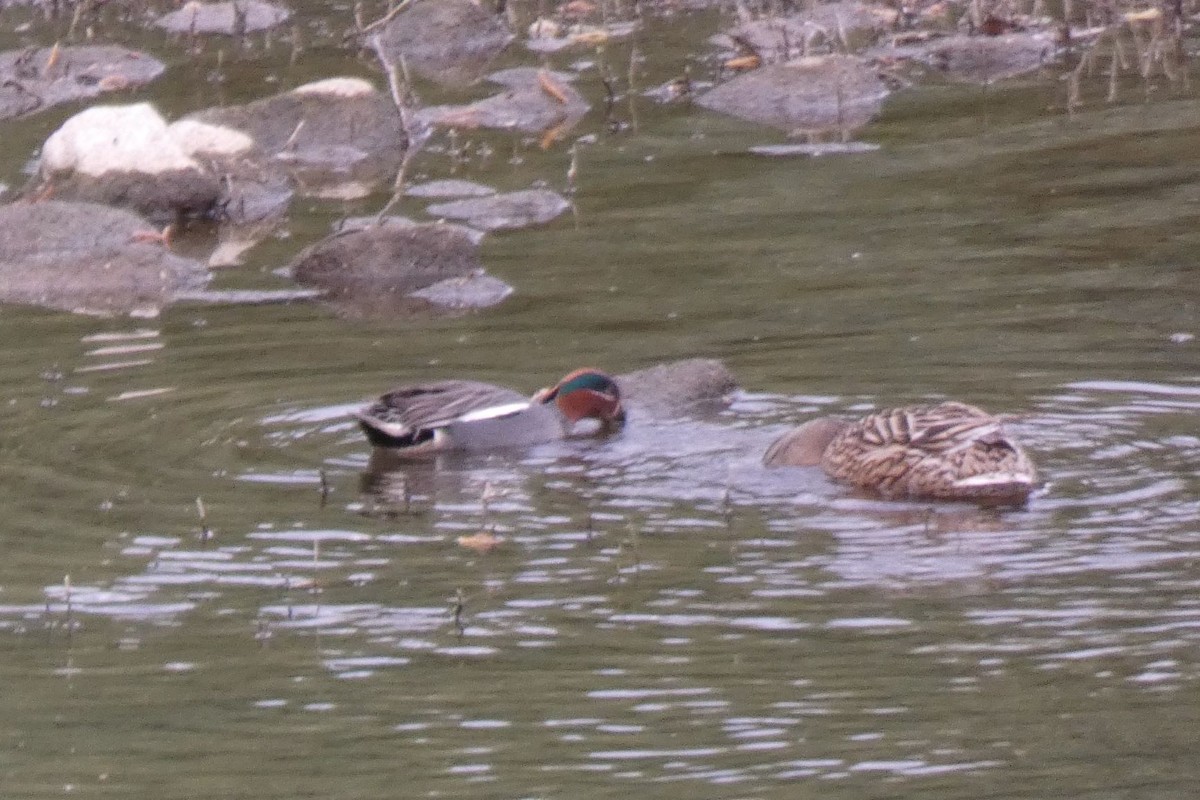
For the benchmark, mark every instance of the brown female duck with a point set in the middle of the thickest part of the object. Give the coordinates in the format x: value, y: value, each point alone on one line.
x: 948, y: 451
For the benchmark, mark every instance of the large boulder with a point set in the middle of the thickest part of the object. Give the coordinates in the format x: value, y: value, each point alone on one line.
x: 334, y: 138
x: 88, y: 258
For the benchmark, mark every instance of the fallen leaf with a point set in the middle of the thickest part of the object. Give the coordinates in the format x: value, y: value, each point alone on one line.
x: 578, y: 8
x: 591, y: 36
x: 1145, y: 15
x: 55, y: 53
x: 552, y: 87
x: 552, y: 135
x: 482, y: 542
x: 744, y: 62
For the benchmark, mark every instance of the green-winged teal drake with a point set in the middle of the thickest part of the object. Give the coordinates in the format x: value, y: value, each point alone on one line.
x: 472, y: 416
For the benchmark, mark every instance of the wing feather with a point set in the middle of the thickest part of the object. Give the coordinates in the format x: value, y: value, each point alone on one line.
x: 948, y: 450
x: 409, y: 410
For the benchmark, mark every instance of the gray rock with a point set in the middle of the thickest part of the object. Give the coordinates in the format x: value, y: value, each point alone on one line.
x: 229, y: 18
x: 382, y: 270
x: 477, y: 290
x: 474, y: 235
x: 535, y: 100
x: 510, y: 210
x: 808, y: 95
x: 450, y: 42
x: 449, y: 188
x: 37, y: 78
x: 246, y: 297
x: 828, y: 27
x: 674, y: 387
x: 88, y: 258
x: 984, y: 59
x: 333, y: 138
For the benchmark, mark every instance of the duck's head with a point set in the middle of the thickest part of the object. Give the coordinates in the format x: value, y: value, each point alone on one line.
x: 587, y: 394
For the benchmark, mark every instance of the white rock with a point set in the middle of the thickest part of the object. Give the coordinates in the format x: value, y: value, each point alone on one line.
x: 200, y: 138
x: 104, y: 139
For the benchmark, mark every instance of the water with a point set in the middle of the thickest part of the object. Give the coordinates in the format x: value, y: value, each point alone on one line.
x: 660, y: 614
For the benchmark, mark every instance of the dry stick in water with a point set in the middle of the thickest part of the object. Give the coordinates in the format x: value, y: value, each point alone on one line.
x: 297, y: 45
x: 460, y: 604
x: 291, y: 140
x: 573, y: 168
x: 406, y: 494
x: 324, y: 486
x: 316, y: 583
x: 388, y: 17
x: 206, y: 533
x: 631, y: 87
x: 238, y: 29
x: 70, y: 610
x: 399, y: 83
x: 1113, y: 72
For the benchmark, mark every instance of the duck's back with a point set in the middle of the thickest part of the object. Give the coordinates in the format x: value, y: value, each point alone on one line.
x: 949, y: 451
x: 457, y: 415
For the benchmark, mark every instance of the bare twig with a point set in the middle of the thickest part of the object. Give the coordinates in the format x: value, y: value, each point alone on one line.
x: 386, y: 18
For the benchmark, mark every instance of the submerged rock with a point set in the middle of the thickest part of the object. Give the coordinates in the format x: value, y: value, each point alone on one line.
x: 673, y: 387
x: 450, y: 42
x: 845, y: 26
x: 549, y: 36
x: 397, y: 268
x: 246, y: 297
x: 477, y: 290
x: 450, y: 187
x: 37, y: 78
x: 88, y: 258
x: 814, y: 149
x: 808, y: 95
x: 510, y: 210
x: 985, y: 59
x: 536, y: 100
x: 229, y: 18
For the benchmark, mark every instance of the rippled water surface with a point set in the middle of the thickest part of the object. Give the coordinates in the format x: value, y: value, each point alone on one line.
x: 656, y: 613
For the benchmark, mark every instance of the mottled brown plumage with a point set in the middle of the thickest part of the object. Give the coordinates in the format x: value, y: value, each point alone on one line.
x: 949, y: 451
